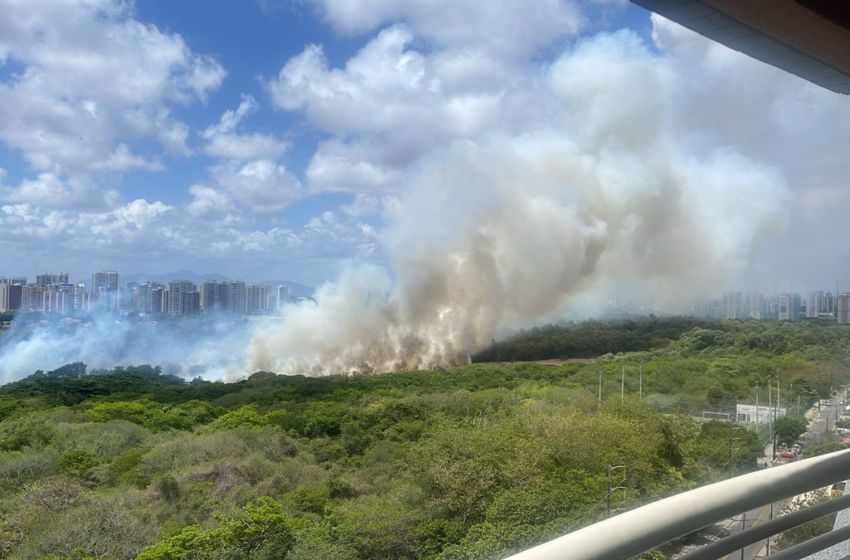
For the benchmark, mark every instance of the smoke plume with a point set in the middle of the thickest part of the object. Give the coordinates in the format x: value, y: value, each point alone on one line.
x: 607, y: 196
x: 510, y: 230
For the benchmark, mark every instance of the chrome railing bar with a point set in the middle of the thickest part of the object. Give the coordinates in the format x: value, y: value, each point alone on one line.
x: 813, y: 545
x: 760, y: 532
x: 634, y: 532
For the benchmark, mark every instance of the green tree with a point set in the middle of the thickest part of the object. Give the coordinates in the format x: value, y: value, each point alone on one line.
x: 822, y: 449
x: 789, y: 428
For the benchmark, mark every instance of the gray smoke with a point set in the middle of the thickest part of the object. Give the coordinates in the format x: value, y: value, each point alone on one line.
x: 512, y: 230
x: 607, y: 198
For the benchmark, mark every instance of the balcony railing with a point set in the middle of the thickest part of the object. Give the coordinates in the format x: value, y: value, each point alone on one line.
x: 640, y: 530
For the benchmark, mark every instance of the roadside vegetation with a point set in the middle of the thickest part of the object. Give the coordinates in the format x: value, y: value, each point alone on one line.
x: 474, y: 462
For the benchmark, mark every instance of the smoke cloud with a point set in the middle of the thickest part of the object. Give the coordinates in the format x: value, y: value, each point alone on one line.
x: 510, y: 230
x: 194, y: 348
x: 607, y: 198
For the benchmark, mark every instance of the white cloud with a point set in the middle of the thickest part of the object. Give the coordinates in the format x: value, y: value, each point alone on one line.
x: 230, y: 119
x: 50, y: 191
x: 245, y: 146
x: 262, y: 185
x: 513, y: 29
x: 390, y: 105
x: 249, y: 170
x: 209, y: 203
x: 363, y: 205
x: 224, y: 142
x: 352, y: 167
x: 92, y: 79
x: 206, y: 233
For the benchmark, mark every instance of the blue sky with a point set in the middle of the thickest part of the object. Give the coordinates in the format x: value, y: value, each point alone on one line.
x: 287, y: 139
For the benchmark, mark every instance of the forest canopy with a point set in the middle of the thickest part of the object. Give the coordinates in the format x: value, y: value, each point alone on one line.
x: 470, y: 462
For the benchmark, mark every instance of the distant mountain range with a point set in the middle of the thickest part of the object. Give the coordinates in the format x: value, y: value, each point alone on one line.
x: 295, y: 289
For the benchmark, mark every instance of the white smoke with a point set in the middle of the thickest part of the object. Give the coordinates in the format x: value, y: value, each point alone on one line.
x: 610, y: 197
x: 192, y: 348
x: 508, y: 230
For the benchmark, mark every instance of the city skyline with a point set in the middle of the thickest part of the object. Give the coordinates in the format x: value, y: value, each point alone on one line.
x: 184, y: 293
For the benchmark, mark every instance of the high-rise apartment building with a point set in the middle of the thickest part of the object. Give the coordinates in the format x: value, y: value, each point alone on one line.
x: 789, y: 307
x: 49, y: 279
x: 4, y: 297
x: 105, y: 290
x: 143, y: 298
x: 213, y: 296
x: 814, y: 304
x: 159, y: 300
x: 843, y: 308
x: 755, y: 305
x: 828, y: 304
x: 15, y: 295
x: 80, y: 296
x: 258, y: 299
x: 235, y: 297
x: 183, y: 298
x: 733, y: 305
x: 32, y: 298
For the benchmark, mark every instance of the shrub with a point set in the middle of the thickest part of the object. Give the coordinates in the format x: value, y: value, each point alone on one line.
x: 261, y: 531
x: 32, y: 430
x: 77, y: 462
x: 246, y: 417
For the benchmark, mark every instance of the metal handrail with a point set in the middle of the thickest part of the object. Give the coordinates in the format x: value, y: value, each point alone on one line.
x: 642, y: 529
x: 736, y: 541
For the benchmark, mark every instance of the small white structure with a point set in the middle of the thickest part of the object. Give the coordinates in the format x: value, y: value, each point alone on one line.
x: 760, y: 415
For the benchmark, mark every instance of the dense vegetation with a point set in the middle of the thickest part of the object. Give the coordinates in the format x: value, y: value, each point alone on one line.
x: 591, y: 339
x: 471, y: 462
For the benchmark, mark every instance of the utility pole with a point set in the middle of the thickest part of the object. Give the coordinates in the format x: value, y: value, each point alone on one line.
x: 623, y: 384
x: 770, y: 418
x: 790, y: 388
x: 731, y: 439
x: 640, y: 382
x: 757, y: 409
x: 743, y: 528
x: 600, y: 388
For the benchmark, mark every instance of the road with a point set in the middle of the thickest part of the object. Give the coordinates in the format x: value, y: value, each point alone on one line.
x: 822, y: 423
x: 751, y: 519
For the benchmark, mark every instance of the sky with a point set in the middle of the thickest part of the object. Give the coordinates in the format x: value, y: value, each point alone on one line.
x: 587, y: 146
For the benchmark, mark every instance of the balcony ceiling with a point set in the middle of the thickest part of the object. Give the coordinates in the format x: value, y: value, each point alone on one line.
x: 808, y: 38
